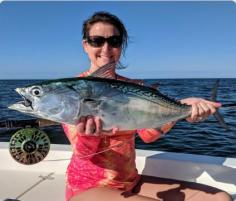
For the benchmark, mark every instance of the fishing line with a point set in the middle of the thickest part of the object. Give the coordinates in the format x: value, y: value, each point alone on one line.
x: 105, y: 150
x: 109, y: 148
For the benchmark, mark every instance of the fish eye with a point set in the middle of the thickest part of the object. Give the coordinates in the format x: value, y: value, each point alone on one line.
x: 36, y: 91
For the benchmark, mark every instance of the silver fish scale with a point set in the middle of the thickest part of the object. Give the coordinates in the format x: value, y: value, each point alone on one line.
x: 151, y: 95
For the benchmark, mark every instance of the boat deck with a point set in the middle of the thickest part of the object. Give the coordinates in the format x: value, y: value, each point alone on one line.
x: 42, y: 181
x: 46, y: 180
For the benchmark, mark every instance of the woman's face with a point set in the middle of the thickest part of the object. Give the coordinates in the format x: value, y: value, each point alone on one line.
x: 100, y: 56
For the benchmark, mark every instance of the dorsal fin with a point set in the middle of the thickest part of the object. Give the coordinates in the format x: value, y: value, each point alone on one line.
x: 104, y: 71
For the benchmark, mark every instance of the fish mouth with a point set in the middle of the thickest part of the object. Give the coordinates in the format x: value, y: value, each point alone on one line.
x: 26, y: 102
x: 25, y: 105
x: 21, y: 106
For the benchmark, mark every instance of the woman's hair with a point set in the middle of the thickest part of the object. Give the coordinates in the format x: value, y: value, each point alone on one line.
x: 106, y: 17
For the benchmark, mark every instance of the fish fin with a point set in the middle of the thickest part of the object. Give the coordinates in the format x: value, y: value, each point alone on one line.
x: 221, y: 121
x: 167, y: 127
x: 217, y: 114
x: 104, y: 71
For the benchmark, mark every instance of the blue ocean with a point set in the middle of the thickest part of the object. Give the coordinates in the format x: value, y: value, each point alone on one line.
x: 206, y: 138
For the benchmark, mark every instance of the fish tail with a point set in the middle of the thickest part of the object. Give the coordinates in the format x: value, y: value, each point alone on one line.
x: 217, y: 114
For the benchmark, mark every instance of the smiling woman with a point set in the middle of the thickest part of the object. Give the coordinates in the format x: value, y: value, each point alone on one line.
x: 103, y: 160
x: 95, y: 174
x: 103, y: 40
x: 106, y: 52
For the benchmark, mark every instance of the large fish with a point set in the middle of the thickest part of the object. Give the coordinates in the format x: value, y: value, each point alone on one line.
x: 119, y: 104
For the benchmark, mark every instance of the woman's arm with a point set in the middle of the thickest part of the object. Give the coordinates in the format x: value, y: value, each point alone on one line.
x: 151, y: 134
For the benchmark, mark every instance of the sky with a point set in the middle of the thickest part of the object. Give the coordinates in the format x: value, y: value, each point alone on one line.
x: 42, y: 40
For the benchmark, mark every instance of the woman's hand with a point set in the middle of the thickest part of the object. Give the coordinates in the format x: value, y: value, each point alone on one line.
x: 92, y: 126
x: 201, y: 108
x: 89, y: 125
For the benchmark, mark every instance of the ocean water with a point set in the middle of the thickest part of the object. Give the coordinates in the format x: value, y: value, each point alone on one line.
x: 207, y: 138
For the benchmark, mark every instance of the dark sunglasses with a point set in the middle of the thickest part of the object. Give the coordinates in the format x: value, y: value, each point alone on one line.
x: 98, y: 41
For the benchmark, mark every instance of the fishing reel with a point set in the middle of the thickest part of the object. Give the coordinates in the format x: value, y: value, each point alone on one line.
x: 29, y: 146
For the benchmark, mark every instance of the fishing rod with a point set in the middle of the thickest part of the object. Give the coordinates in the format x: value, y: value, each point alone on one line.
x: 37, y: 123
x: 30, y: 123
x: 30, y: 145
x: 26, y: 123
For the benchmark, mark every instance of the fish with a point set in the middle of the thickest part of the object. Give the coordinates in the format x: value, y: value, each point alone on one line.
x: 120, y: 104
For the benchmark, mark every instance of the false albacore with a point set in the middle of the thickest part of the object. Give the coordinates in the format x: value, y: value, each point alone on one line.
x: 120, y: 104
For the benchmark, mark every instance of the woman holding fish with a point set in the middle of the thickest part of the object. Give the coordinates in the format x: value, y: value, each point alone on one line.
x: 103, y: 162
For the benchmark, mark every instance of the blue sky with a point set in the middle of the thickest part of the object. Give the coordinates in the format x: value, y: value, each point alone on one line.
x: 167, y: 39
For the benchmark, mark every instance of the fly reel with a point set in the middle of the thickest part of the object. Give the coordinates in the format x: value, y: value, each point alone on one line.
x: 29, y: 146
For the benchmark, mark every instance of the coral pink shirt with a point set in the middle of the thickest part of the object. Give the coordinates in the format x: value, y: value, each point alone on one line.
x: 107, y: 160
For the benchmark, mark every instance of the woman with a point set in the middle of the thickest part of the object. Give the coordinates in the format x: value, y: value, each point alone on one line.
x: 103, y: 162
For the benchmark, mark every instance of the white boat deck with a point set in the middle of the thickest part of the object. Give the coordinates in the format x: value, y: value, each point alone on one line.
x: 46, y: 180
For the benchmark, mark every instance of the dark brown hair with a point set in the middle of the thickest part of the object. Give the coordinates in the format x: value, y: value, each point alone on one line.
x: 109, y: 18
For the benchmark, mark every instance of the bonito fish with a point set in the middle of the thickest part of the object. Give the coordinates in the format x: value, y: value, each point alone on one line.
x: 119, y: 104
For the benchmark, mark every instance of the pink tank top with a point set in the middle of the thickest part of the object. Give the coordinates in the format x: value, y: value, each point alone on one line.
x: 107, y: 160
